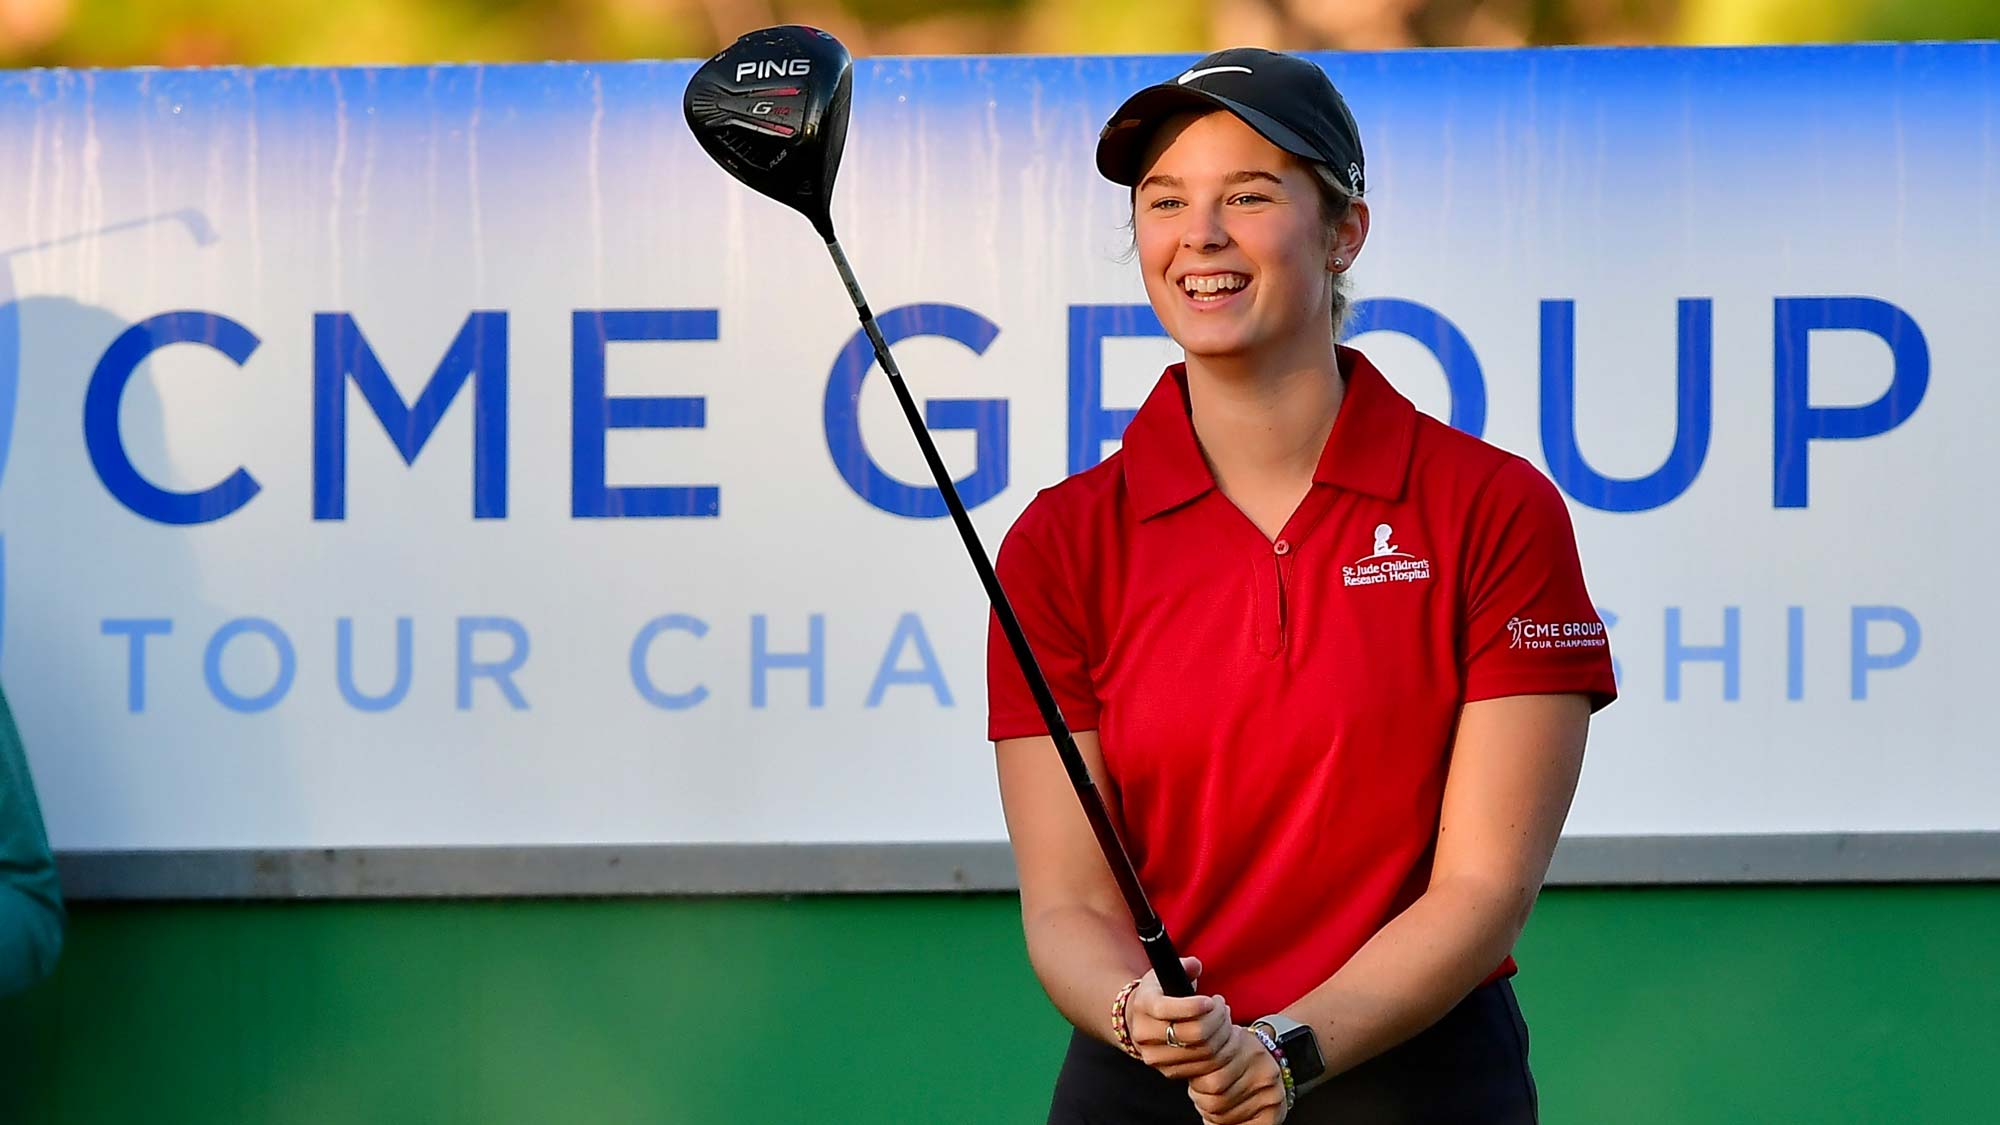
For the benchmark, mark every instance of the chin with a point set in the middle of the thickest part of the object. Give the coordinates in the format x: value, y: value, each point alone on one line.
x: 1214, y: 352
x: 1218, y: 345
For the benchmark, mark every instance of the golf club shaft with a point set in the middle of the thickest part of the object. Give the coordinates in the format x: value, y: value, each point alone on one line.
x: 1159, y: 947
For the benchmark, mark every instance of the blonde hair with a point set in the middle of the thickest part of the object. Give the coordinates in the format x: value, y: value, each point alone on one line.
x: 1335, y: 203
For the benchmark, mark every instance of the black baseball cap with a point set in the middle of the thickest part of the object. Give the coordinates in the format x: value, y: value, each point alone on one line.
x: 1288, y: 100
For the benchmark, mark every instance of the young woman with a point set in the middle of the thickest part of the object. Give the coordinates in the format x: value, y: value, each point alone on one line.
x: 1331, y: 662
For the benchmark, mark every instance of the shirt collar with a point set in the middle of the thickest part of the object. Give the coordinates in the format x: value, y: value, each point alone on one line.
x: 1368, y: 450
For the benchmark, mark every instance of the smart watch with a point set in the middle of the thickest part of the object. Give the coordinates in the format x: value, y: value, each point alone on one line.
x: 1301, y: 1049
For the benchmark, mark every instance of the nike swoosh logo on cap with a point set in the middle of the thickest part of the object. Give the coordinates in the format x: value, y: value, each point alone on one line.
x: 1194, y: 74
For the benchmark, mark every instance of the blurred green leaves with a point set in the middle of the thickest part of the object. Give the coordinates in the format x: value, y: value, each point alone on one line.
x: 199, y: 32
x: 1836, y: 21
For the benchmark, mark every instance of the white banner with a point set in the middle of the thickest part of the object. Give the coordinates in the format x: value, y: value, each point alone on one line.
x: 457, y: 457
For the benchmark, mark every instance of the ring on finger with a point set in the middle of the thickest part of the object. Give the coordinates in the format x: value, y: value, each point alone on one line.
x: 1172, y: 1039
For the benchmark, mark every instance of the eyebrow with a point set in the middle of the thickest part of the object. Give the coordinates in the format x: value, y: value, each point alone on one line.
x: 1244, y: 176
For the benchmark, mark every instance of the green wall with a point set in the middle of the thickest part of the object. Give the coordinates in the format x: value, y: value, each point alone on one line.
x: 1820, y: 1004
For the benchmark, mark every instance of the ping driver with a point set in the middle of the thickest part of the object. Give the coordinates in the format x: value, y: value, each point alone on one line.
x: 772, y: 110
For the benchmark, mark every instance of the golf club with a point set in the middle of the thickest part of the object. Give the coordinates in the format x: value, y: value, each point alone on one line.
x: 772, y: 110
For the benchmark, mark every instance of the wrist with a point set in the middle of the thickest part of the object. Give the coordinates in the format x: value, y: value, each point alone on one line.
x: 1277, y: 1054
x: 1300, y: 1046
x: 1121, y: 1027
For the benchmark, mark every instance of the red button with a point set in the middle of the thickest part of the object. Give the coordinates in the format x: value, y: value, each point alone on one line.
x: 1282, y: 547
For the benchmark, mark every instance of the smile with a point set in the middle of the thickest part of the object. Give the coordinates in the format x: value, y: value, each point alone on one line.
x: 1208, y: 287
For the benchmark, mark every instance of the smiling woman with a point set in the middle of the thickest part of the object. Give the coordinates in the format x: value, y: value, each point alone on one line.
x: 1225, y: 218
x: 1338, y: 209
x: 1279, y: 621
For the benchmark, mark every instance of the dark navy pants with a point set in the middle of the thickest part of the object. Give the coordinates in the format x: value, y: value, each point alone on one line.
x: 1471, y: 1066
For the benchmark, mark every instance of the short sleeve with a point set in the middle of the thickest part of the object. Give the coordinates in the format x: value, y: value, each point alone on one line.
x: 1530, y: 626
x: 1045, y: 601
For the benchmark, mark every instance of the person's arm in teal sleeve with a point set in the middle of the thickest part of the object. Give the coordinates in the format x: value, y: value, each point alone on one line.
x: 31, y: 909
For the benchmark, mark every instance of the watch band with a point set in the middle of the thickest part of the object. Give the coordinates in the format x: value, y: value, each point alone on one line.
x: 1284, y: 1068
x: 1301, y: 1048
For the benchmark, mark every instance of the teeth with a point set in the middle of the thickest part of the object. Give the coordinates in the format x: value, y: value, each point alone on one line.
x: 1214, y: 282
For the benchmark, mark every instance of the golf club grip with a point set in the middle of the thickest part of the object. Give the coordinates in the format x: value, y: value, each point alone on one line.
x: 1166, y: 962
x: 1153, y: 936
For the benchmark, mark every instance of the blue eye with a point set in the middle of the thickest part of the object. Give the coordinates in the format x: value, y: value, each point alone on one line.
x: 1164, y: 204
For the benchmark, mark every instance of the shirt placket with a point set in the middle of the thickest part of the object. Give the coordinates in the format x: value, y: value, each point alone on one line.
x: 1276, y: 572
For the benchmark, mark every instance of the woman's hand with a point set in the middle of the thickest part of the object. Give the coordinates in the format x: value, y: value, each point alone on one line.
x: 1200, y: 1026
x: 1244, y: 1088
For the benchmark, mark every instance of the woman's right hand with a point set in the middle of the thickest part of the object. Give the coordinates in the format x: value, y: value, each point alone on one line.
x: 1247, y: 1088
x: 1201, y: 1026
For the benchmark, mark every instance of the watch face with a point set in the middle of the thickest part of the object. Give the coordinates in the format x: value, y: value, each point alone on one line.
x: 1301, y: 1053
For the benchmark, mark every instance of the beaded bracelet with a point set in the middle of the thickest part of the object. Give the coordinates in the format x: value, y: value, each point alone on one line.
x: 1119, y: 1028
x: 1284, y: 1068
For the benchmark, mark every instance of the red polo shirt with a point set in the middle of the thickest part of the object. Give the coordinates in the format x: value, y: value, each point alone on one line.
x: 1276, y: 715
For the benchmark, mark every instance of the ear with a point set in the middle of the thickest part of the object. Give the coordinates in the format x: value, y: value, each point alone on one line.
x: 1349, y: 235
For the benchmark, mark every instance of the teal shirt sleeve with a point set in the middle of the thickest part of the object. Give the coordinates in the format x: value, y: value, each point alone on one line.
x: 31, y: 909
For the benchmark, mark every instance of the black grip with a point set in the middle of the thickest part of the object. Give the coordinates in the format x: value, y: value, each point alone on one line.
x: 1166, y: 964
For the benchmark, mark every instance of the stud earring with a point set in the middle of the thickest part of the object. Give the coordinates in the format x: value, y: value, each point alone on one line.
x: 1339, y: 263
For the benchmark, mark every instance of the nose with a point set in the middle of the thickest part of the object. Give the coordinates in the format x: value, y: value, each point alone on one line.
x: 1203, y: 229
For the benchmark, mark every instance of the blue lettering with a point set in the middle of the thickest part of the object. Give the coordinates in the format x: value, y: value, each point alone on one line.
x: 813, y: 660
x: 642, y: 645
x: 986, y: 418
x: 1799, y: 422
x: 1617, y: 670
x: 344, y: 667
x: 107, y: 391
x: 478, y: 353
x: 593, y: 413
x: 1692, y: 396
x: 1090, y: 424
x: 909, y: 630
x: 1865, y: 661
x: 1434, y: 331
x: 212, y: 665
x: 500, y: 671
x: 1729, y: 653
x: 1795, y: 652
x: 135, y: 630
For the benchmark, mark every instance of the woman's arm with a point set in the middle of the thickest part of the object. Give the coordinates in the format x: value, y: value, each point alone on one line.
x: 1513, y: 772
x: 1079, y: 932
x: 31, y: 934
x: 31, y: 911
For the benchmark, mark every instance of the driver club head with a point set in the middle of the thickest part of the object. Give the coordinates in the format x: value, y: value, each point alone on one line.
x: 772, y: 110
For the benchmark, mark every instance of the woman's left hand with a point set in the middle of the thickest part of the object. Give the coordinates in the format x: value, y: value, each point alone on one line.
x: 1198, y: 1026
x: 1246, y: 1089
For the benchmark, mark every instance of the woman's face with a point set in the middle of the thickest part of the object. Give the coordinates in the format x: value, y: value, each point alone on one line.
x: 1231, y: 242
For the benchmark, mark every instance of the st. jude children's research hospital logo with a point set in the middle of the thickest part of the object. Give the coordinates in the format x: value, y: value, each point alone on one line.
x: 1387, y: 563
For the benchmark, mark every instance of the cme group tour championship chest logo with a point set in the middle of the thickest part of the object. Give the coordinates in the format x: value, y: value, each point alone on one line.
x: 1387, y: 563
x: 1529, y: 633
